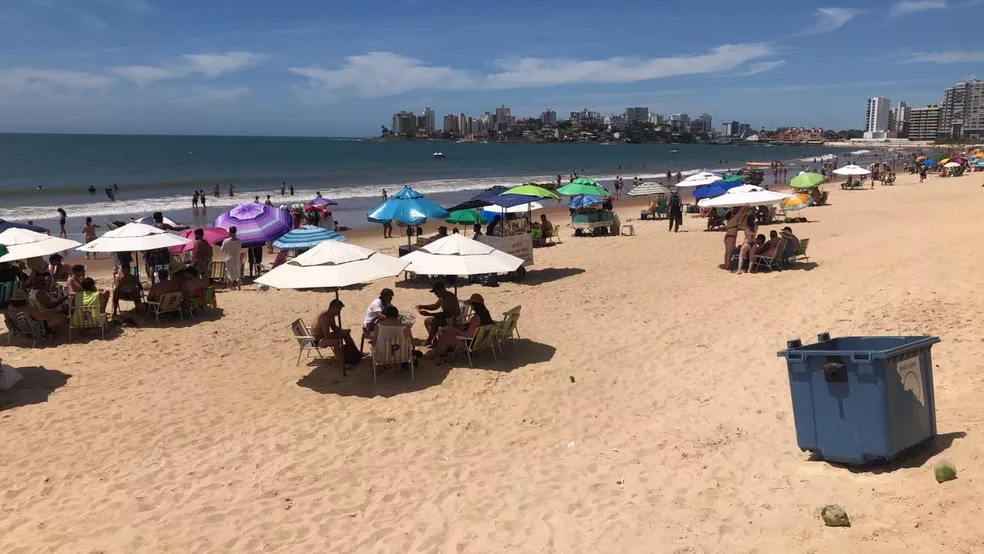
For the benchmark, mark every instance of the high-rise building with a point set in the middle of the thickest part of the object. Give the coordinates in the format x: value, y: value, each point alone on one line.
x: 404, y: 124
x: 426, y: 121
x: 502, y: 115
x: 877, y: 118
x: 655, y: 118
x: 549, y: 117
x: 962, y: 110
x: 732, y: 129
x: 680, y: 122
x: 636, y: 115
x: 450, y: 125
x: 744, y: 129
x: 464, y: 125
x: 706, y: 123
x: 898, y: 121
x: 924, y: 122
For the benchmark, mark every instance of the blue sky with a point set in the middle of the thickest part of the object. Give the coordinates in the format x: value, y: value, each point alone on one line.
x: 310, y: 67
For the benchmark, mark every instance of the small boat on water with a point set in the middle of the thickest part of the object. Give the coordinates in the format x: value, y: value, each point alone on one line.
x: 437, y: 155
x: 674, y: 151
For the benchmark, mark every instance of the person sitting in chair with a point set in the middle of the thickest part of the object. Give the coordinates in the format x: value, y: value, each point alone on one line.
x: 163, y: 286
x: 19, y: 302
x: 74, y: 282
x: 91, y: 297
x: 127, y: 287
x: 39, y: 297
x: 325, y: 327
x: 377, y: 310
x: 447, y: 304
x: 390, y: 327
x: 770, y: 250
x: 449, y: 340
x: 548, y: 228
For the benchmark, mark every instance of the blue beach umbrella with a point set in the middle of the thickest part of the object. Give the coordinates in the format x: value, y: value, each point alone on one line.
x: 306, y: 236
x: 714, y: 189
x: 979, y: 164
x: 584, y: 200
x: 494, y: 196
x: 407, y: 207
x: 4, y: 225
x: 930, y: 163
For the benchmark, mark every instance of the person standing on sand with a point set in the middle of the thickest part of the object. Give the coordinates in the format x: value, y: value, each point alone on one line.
x: 231, y: 249
x: 89, y: 231
x: 62, y: 218
x: 735, y: 222
x: 194, y: 201
x: 675, y: 211
x: 201, y: 254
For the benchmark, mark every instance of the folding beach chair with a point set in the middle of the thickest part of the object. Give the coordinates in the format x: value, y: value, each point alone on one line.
x: 392, y: 352
x: 166, y: 304
x: 508, y: 328
x: 773, y: 262
x: 484, y: 338
x: 87, y: 317
x: 307, y: 343
x: 21, y: 325
x: 466, y: 312
x: 801, y: 251
x: 217, y: 273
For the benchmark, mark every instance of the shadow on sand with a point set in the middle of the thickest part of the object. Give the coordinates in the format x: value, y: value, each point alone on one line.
x: 326, y: 377
x: 37, y: 384
x: 914, y: 457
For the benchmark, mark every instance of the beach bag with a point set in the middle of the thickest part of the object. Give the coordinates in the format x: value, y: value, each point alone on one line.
x: 350, y: 352
x: 8, y: 377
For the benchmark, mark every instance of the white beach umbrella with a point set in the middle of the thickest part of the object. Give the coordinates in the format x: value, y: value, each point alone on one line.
x: 700, y: 179
x: 852, y: 170
x: 149, y: 220
x: 947, y: 164
x: 23, y: 244
x: 134, y: 237
x: 745, y: 195
x: 521, y: 208
x: 333, y: 264
x: 457, y: 255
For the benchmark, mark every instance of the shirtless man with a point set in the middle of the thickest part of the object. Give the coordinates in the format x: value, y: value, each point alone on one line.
x: 163, y: 286
x: 74, y: 282
x: 325, y: 327
x: 19, y: 303
x: 127, y: 287
x: 447, y: 304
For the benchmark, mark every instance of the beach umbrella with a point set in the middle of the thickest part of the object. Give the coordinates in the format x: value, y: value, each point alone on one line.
x: 319, y: 201
x: 583, y: 201
x: 133, y: 237
x: 306, y: 236
x: 517, y: 209
x: 951, y: 164
x: 745, y: 195
x: 212, y: 235
x: 406, y: 207
x: 4, y: 225
x: 937, y: 156
x: 465, y: 217
x: 979, y: 164
x: 711, y: 190
x: 959, y: 160
x: 534, y: 191
x: 698, y: 179
x: 575, y: 189
x: 21, y: 244
x: 929, y: 163
x: 943, y: 161
x: 458, y: 255
x: 646, y: 189
x: 149, y: 220
x: 798, y: 202
x: 256, y: 224
x: 734, y: 178
x: 806, y: 180
x: 852, y: 170
x: 584, y: 181
x: 493, y: 196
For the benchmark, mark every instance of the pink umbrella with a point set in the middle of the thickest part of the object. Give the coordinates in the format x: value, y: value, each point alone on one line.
x: 213, y: 235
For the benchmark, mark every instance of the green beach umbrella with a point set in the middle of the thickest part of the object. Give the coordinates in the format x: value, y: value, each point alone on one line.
x: 937, y: 156
x: 734, y: 179
x: 3, y: 250
x: 576, y: 189
x: 806, y: 181
x: 584, y: 181
x: 465, y: 217
x: 533, y: 190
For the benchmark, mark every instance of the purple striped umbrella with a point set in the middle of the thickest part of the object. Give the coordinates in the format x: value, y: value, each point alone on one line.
x: 256, y: 224
x: 319, y: 201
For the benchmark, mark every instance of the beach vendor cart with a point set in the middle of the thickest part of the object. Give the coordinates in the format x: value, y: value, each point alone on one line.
x: 593, y: 216
x: 513, y: 234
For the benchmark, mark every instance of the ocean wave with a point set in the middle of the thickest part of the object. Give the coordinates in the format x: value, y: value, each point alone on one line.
x: 823, y: 157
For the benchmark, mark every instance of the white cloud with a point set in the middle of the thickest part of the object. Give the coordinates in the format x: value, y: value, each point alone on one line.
x: 913, y: 6
x: 759, y: 67
x: 210, y: 95
x: 209, y: 65
x: 51, y: 80
x: 829, y: 19
x: 142, y: 7
x: 948, y: 56
x: 377, y: 74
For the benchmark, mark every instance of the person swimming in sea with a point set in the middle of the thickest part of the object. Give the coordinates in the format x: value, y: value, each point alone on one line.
x: 92, y: 189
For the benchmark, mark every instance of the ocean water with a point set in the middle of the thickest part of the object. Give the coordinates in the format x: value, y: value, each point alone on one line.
x: 159, y: 173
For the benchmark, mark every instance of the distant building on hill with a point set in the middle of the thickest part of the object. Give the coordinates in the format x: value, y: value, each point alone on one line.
x: 450, y: 125
x: 636, y: 115
x: 705, y: 120
x: 924, y: 123
x: 962, y: 111
x: 404, y: 124
x: 426, y: 121
x: 549, y: 117
x: 876, y: 126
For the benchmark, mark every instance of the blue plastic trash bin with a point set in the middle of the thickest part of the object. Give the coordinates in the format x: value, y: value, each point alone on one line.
x: 861, y: 399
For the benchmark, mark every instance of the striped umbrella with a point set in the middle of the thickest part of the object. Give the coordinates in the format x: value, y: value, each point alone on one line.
x: 645, y: 189
x: 256, y: 224
x: 320, y: 201
x: 306, y: 236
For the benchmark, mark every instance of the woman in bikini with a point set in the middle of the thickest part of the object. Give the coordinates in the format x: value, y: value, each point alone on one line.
x: 62, y: 216
x: 735, y: 222
x: 745, y: 254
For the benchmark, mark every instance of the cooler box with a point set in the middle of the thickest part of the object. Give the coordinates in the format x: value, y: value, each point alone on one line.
x: 861, y: 399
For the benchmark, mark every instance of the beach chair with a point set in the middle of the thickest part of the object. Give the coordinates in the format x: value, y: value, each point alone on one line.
x: 660, y: 211
x: 204, y: 299
x: 788, y: 251
x: 801, y: 251
x: 166, y: 304
x: 7, y: 290
x: 217, y: 273
x: 715, y: 221
x: 774, y: 262
x: 537, y: 234
x: 21, y: 325
x: 392, y: 352
x: 466, y: 312
x: 510, y: 329
x: 87, y: 317
x: 484, y: 338
x: 307, y: 343
x: 153, y: 272
x: 278, y: 261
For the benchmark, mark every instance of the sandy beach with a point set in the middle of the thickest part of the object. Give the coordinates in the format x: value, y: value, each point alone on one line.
x: 644, y: 409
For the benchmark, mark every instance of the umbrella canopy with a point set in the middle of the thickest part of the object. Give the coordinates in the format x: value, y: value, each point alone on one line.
x: 306, y: 236
x: 937, y: 156
x: 212, y: 235
x: 646, y: 189
x: 465, y: 217
x: 256, y: 224
x: 319, y: 201
x: 133, y: 237
x: 534, y: 190
x: 979, y: 164
x: 698, y: 179
x: 929, y: 163
x: 4, y: 225
x: 332, y: 264
x: 806, y: 180
x: 22, y: 244
x: 407, y: 207
x: 457, y: 255
x: 584, y: 181
x: 149, y: 220
x: 711, y: 190
x: 575, y: 189
x: 944, y: 160
x: 485, y: 199
x: 800, y: 201
x: 584, y: 201
x: 852, y: 170
x: 517, y: 209
x: 745, y: 195
x: 959, y: 159
x: 735, y: 178
x: 951, y: 164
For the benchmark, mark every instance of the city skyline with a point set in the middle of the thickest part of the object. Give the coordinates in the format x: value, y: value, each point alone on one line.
x: 304, y: 68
